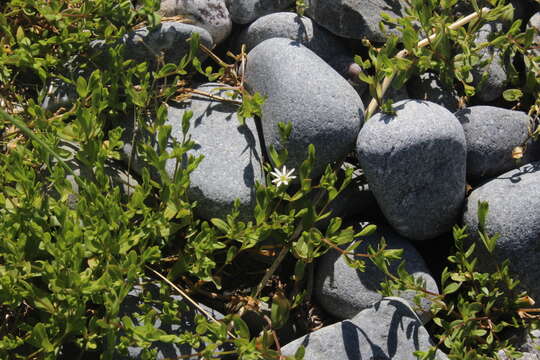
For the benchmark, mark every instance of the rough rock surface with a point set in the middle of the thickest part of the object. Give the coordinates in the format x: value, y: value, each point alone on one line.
x: 514, y: 213
x: 231, y: 151
x: 534, y: 22
x: 414, y: 162
x: 354, y: 19
x: 493, y: 85
x: 232, y: 160
x: 343, y: 291
x: 388, y: 330
x: 169, y: 39
x: 429, y: 87
x: 322, y: 106
x: 491, y: 134
x: 211, y: 15
x: 246, y: 11
x: 133, y: 306
x: 291, y: 26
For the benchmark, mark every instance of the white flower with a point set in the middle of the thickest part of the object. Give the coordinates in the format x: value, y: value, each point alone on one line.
x: 282, y: 177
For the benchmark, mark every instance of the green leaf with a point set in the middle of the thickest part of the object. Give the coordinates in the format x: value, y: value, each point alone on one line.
x: 451, y: 288
x: 221, y: 225
x: 279, y: 310
x: 512, y: 95
x: 82, y: 87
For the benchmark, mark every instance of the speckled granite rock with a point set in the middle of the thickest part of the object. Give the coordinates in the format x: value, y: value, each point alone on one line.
x: 291, y: 26
x: 354, y: 19
x: 169, y: 39
x: 322, y: 107
x: 514, y: 214
x: 492, y: 133
x: 388, y: 330
x: 414, y: 162
x: 211, y: 15
x: 343, y: 291
x: 246, y: 11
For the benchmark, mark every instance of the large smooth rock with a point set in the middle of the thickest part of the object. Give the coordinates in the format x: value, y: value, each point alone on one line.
x: 493, y: 85
x: 303, y: 90
x: 168, y: 39
x: 135, y: 306
x: 343, y: 291
x: 211, y: 15
x: 492, y: 133
x: 414, y: 161
x: 292, y: 26
x: 246, y: 11
x: 514, y: 214
x: 388, y: 330
x: 354, y: 19
x: 232, y: 154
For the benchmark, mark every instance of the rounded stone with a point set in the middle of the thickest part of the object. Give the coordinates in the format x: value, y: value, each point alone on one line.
x: 211, y: 15
x: 246, y: 11
x: 354, y: 19
x: 492, y: 133
x: 168, y: 39
x: 303, y: 90
x: 514, y: 214
x: 343, y: 291
x: 414, y: 161
x: 292, y: 26
x: 428, y: 86
x: 232, y: 162
x: 387, y: 330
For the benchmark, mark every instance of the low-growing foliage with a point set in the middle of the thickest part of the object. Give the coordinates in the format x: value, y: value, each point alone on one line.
x: 73, y: 246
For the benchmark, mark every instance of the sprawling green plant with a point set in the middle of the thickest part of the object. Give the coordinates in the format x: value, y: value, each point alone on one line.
x: 75, y: 243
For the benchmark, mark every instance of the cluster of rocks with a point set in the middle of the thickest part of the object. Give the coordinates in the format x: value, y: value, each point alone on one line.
x: 417, y: 161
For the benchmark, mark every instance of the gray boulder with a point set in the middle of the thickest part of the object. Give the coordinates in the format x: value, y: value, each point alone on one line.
x: 514, y: 214
x: 211, y: 15
x: 387, y: 330
x: 246, y: 11
x: 414, y: 161
x: 232, y: 160
x: 343, y: 291
x: 303, y: 90
x: 491, y: 134
x: 354, y: 19
x: 135, y: 306
x: 429, y: 87
x: 232, y: 154
x: 489, y: 80
x: 168, y: 40
x: 526, y: 342
x: 292, y: 26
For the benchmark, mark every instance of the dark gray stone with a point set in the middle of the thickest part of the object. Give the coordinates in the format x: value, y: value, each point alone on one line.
x: 491, y: 134
x: 291, y: 26
x: 59, y: 94
x: 414, y: 162
x: 354, y: 19
x: 232, y: 160
x: 344, y: 64
x: 388, y: 330
x: 429, y: 87
x: 526, y: 342
x: 343, y: 291
x: 246, y: 11
x: 134, y: 306
x: 211, y: 15
x: 514, y: 214
x: 534, y: 22
x: 492, y: 86
x: 169, y: 39
x: 323, y: 108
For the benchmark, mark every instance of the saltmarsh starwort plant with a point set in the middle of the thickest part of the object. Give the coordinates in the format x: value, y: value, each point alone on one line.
x: 66, y: 268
